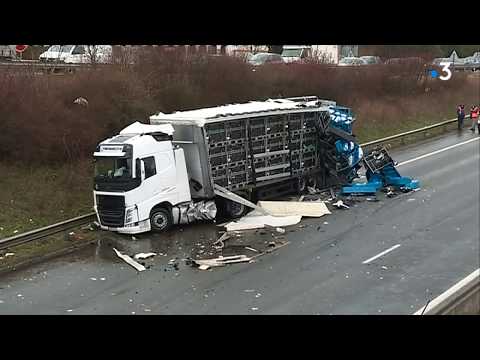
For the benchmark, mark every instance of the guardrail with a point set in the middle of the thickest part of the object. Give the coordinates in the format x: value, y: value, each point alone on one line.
x: 84, y: 219
x: 411, y: 132
x: 463, y: 298
x: 46, y: 231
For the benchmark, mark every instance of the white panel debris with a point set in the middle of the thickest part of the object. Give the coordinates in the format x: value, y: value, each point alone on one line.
x: 141, y: 256
x: 221, y: 261
x: 259, y: 221
x: 130, y: 261
x: 289, y: 208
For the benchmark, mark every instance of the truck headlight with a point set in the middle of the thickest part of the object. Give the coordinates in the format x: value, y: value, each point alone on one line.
x: 131, y: 215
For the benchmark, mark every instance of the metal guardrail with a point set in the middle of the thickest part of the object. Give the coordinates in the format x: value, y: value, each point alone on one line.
x: 84, y: 219
x: 461, y: 299
x: 46, y: 231
x: 411, y: 132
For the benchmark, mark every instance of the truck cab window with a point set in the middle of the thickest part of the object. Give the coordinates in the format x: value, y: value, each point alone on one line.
x: 150, y: 168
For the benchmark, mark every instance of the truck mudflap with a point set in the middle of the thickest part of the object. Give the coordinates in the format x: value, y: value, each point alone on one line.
x: 194, y: 211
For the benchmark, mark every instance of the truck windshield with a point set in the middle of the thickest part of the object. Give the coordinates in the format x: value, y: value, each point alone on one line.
x: 113, y: 168
x: 292, y: 52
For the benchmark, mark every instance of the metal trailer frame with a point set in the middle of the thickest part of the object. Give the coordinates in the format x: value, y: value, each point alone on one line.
x: 246, y: 151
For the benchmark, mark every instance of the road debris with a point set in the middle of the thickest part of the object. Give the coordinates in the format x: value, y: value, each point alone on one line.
x: 251, y: 249
x: 141, y: 256
x: 295, y: 208
x: 219, y: 244
x: 250, y: 221
x: 130, y: 261
x: 220, y: 261
x: 340, y: 205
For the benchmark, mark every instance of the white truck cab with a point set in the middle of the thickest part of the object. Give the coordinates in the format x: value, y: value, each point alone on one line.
x: 139, y: 176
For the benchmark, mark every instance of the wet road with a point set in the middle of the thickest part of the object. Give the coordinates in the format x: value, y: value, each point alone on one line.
x: 328, y: 268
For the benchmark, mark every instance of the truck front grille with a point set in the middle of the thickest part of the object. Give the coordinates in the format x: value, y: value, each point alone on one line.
x: 111, y: 210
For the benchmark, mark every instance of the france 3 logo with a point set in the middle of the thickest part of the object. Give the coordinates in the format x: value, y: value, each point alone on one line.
x: 446, y: 70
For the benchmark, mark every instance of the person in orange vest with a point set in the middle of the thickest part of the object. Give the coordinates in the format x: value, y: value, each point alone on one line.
x: 474, y: 115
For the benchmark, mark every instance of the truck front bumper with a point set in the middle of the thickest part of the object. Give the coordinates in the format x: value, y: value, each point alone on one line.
x: 141, y: 227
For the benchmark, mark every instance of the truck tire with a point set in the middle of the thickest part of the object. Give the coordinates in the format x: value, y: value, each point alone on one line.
x: 161, y: 219
x: 234, y: 210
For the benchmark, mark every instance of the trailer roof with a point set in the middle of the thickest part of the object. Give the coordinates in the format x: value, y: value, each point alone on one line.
x: 200, y: 117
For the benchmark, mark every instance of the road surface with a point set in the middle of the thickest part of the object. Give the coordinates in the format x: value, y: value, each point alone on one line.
x: 386, y: 257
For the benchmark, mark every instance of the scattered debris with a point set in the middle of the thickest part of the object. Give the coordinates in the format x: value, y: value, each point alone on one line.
x: 295, y: 208
x: 9, y: 254
x: 411, y: 199
x: 301, y: 198
x: 141, y: 256
x: 259, y: 221
x: 220, y: 261
x: 134, y: 238
x: 129, y: 261
x: 325, y: 222
x: 339, y: 204
x: 15, y: 231
x: 384, y: 268
x: 219, y: 244
x: 251, y: 249
x: 258, y: 295
x: 71, y: 233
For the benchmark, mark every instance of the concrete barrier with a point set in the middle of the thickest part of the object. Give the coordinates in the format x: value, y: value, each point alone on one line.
x: 463, y: 298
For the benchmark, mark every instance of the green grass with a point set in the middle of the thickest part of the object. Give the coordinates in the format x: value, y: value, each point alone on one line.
x: 32, y: 197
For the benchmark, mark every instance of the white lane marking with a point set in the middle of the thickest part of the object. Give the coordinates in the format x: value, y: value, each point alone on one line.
x: 381, y: 254
x: 438, y: 151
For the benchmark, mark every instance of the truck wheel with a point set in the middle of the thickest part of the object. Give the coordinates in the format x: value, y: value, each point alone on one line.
x: 161, y: 219
x: 234, y: 210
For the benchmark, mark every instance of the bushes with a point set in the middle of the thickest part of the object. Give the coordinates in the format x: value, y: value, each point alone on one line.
x: 40, y: 123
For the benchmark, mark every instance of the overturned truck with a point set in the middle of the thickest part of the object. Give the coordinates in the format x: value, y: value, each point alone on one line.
x: 186, y: 166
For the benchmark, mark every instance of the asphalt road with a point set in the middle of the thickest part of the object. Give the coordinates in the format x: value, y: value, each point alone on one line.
x: 433, y: 235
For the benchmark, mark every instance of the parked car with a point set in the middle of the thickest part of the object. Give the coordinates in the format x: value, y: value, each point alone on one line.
x: 371, y: 60
x: 77, y: 54
x: 294, y: 53
x: 351, y: 61
x: 265, y: 58
x: 56, y: 53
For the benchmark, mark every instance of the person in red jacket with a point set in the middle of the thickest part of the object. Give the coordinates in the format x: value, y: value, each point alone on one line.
x: 474, y: 116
